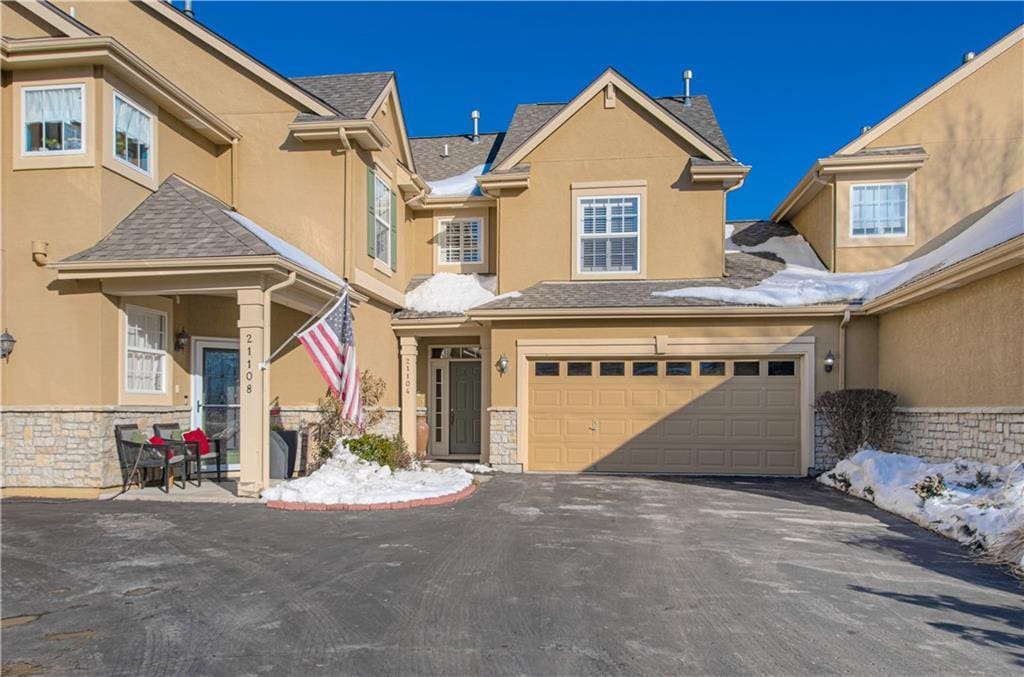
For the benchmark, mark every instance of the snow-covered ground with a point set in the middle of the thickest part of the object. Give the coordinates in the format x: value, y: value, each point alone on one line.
x: 799, y: 285
x: 346, y: 478
x: 477, y: 468
x: 978, y: 503
x: 461, y: 184
x: 454, y: 293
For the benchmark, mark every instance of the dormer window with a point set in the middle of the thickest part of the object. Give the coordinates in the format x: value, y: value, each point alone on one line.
x: 878, y: 209
x: 133, y: 134
x: 54, y: 118
x: 609, y: 234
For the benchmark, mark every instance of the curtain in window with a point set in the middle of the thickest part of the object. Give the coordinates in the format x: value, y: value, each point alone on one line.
x: 53, y: 105
x: 133, y: 122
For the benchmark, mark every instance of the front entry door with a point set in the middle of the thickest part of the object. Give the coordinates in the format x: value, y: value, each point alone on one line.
x: 216, y: 395
x: 464, y: 404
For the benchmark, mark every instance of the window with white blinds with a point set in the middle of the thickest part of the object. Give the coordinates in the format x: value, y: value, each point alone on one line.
x: 609, y: 234
x: 54, y: 119
x: 878, y: 209
x: 461, y: 241
x: 146, y: 352
x: 382, y: 219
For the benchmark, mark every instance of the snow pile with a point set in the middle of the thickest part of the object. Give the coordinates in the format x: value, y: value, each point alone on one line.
x: 459, y: 185
x: 797, y: 285
x: 346, y: 478
x: 477, y: 468
x: 454, y: 293
x: 976, y: 502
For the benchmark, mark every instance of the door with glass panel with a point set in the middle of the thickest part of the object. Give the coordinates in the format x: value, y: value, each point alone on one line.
x: 215, y: 394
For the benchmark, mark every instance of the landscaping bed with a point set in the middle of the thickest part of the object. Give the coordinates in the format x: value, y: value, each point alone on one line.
x: 978, y: 504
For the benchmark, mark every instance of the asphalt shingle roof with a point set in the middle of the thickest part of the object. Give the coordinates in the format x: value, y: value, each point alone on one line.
x: 178, y: 221
x: 744, y: 270
x: 351, y: 94
x: 463, y: 154
x: 527, y: 119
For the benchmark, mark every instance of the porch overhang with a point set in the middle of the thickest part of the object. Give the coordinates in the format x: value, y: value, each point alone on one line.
x: 214, y: 276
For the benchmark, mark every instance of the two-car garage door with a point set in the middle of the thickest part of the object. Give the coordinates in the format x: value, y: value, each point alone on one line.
x: 714, y: 416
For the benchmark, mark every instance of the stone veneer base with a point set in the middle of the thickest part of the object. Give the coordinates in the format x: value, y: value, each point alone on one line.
x: 364, y: 507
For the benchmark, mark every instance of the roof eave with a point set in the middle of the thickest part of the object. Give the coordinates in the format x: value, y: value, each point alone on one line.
x: 356, y: 131
x: 108, y: 51
x: 630, y: 312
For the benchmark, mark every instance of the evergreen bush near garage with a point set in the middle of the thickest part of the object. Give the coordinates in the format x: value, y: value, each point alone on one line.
x: 858, y: 418
x: 388, y: 451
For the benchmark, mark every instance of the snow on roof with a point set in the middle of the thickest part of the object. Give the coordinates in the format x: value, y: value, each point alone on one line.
x: 460, y: 184
x: 285, y: 249
x: 794, y: 249
x: 796, y: 285
x: 454, y: 293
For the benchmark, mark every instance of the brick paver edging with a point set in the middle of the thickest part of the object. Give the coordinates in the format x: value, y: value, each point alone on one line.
x: 359, y: 507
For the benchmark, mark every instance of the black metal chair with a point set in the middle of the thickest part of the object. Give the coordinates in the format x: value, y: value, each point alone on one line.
x: 135, y: 456
x: 172, y: 434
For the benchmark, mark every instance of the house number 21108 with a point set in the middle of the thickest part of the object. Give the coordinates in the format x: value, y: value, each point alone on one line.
x: 248, y: 363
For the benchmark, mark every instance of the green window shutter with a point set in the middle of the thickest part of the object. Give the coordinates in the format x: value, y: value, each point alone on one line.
x: 394, y: 232
x: 371, y: 231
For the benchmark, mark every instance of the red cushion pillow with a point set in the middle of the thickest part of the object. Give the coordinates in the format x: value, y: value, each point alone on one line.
x: 160, y: 441
x: 199, y: 437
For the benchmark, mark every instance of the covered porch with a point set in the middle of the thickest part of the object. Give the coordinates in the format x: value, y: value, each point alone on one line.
x: 211, y: 316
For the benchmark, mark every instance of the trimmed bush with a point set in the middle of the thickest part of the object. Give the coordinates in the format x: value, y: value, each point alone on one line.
x: 858, y: 418
x: 331, y: 426
x: 389, y: 451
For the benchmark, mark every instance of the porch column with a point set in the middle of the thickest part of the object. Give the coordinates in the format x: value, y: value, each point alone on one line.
x: 486, y: 366
x: 409, y: 352
x: 255, y: 468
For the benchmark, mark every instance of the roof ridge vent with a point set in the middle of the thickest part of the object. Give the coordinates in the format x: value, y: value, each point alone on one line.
x: 969, y: 56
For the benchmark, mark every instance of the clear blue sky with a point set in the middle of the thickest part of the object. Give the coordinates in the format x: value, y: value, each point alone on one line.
x: 790, y: 82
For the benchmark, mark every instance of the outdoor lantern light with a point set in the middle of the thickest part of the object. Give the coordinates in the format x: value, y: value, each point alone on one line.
x: 502, y: 364
x: 6, y: 344
x: 830, y: 361
x: 181, y: 340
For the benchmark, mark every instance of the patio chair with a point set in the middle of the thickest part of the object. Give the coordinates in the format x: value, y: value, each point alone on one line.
x: 172, y: 433
x: 136, y: 453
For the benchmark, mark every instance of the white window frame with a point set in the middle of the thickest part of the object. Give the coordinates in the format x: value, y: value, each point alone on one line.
x: 581, y: 237
x: 379, y: 180
x: 906, y: 210
x: 162, y: 352
x: 113, y: 133
x: 52, y: 153
x: 443, y: 248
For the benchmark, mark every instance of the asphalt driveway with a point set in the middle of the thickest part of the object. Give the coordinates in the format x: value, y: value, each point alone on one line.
x: 531, y: 575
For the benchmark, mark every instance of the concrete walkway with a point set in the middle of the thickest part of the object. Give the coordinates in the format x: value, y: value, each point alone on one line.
x: 531, y: 575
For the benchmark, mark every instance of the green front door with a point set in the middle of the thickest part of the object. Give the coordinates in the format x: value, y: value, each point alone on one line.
x: 464, y: 402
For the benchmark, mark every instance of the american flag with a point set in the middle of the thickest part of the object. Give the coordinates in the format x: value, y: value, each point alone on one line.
x: 332, y: 345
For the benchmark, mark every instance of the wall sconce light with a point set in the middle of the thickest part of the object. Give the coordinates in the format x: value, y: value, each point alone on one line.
x: 181, y: 340
x: 6, y: 344
x: 502, y: 364
x: 830, y: 361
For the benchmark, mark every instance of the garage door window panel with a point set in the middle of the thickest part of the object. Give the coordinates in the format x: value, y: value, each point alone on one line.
x: 781, y: 368
x: 678, y: 369
x: 579, y: 369
x: 645, y: 369
x: 712, y: 368
x: 546, y: 369
x: 746, y: 368
x: 613, y: 369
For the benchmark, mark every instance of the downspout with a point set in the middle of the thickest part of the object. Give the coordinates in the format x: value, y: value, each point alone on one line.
x: 842, y: 349
x: 265, y: 403
x: 234, y: 174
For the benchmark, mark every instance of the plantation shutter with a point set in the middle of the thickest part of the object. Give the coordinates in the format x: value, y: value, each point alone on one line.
x: 394, y: 232
x: 371, y: 231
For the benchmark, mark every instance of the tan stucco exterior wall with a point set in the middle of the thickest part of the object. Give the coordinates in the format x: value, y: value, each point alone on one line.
x: 962, y: 348
x: 684, y: 221
x: 974, y: 136
x: 814, y: 222
x: 17, y: 22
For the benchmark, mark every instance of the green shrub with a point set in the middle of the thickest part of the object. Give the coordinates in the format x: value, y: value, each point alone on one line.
x: 857, y: 418
x: 388, y: 451
x: 931, y: 486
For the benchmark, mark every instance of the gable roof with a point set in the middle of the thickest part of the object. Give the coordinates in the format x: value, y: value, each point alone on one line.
x: 181, y: 221
x: 57, y: 18
x: 666, y: 112
x: 463, y: 154
x: 527, y: 119
x: 352, y: 95
x: 927, y: 96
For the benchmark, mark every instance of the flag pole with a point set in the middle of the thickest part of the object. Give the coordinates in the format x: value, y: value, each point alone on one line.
x: 312, y: 318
